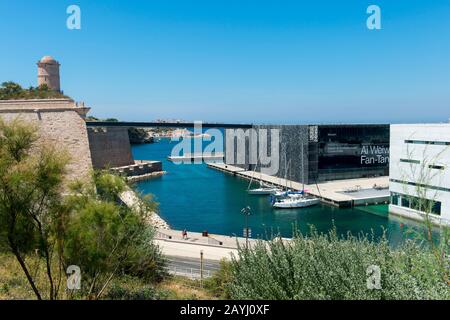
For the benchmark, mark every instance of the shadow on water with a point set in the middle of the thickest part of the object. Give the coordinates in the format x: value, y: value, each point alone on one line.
x: 198, y: 198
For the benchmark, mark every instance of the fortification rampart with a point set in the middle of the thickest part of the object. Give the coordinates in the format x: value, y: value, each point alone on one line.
x: 60, y: 123
x: 110, y: 147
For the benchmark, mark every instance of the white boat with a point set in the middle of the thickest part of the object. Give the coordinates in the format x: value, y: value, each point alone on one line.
x: 295, y: 202
x: 286, y: 193
x: 281, y: 193
x: 264, y: 188
x: 264, y: 191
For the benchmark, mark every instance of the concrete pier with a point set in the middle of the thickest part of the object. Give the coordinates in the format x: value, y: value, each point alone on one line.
x: 140, y: 170
x: 197, y: 157
x: 340, y: 193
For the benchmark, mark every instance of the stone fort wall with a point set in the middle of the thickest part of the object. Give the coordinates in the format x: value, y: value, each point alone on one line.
x: 110, y: 147
x: 61, y: 123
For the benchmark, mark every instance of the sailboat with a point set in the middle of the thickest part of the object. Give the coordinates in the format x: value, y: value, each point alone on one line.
x: 299, y: 201
x: 285, y: 191
x: 264, y: 188
x: 294, y: 200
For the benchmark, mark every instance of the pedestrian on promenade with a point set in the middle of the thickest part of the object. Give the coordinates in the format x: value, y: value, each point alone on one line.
x: 184, y: 234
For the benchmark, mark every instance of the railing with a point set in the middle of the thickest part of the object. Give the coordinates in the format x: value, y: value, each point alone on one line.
x: 209, y: 240
x: 161, y: 235
x: 191, y: 273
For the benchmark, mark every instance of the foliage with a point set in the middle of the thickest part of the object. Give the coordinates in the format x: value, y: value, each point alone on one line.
x: 128, y: 288
x: 106, y: 238
x: 13, y: 91
x: 139, y: 135
x: 31, y: 177
x: 324, y: 266
x: 90, y: 227
x: 14, y: 285
x: 217, y: 285
x: 424, y: 200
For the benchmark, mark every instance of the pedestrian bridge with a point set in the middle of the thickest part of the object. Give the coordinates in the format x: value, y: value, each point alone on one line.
x: 167, y: 124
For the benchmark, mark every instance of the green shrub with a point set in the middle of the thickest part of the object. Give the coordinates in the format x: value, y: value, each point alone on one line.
x: 119, y: 292
x: 217, y: 285
x: 324, y: 266
x: 108, y: 239
x: 13, y: 91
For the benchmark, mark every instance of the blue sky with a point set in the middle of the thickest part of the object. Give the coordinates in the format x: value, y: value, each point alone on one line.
x: 238, y: 60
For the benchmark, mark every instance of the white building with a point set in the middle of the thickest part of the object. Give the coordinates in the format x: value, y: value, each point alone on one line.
x: 420, y: 169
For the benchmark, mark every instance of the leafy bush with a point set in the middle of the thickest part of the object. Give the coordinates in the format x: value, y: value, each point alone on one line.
x: 120, y: 292
x: 13, y: 91
x: 106, y: 238
x: 89, y: 227
x: 217, y: 285
x: 324, y: 266
x: 31, y: 180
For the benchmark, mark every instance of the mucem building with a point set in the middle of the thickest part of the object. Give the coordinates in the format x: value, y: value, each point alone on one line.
x: 313, y: 153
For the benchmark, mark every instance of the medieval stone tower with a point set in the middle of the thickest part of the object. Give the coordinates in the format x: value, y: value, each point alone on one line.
x: 48, y: 73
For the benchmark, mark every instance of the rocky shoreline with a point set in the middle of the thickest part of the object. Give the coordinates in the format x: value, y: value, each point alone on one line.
x: 130, y: 198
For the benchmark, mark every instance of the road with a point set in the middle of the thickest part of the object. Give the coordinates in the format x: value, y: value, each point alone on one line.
x: 190, y: 267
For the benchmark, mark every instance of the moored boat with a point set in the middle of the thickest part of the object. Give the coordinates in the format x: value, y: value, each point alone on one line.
x: 264, y: 190
x: 295, y: 202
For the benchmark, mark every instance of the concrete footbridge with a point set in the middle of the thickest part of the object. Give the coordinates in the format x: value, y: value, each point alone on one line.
x: 122, y: 124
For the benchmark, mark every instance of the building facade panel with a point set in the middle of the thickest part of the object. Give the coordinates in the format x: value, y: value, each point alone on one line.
x: 420, y: 174
x: 350, y: 152
x: 330, y: 152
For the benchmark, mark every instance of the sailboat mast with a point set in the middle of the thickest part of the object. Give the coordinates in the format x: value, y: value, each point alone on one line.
x: 303, y: 171
x: 253, y: 174
x: 285, y: 170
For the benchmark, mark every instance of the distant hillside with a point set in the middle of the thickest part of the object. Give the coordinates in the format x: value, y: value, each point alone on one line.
x: 139, y: 136
x: 13, y: 91
x: 136, y: 135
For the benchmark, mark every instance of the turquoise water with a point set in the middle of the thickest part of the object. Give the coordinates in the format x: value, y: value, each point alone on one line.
x: 198, y: 198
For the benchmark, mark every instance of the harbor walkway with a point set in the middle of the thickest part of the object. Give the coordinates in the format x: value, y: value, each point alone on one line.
x: 341, y: 193
x: 214, y: 247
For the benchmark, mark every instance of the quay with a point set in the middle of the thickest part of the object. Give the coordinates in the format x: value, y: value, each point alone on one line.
x: 339, y: 193
x: 219, y: 156
x: 140, y: 170
x: 214, y: 247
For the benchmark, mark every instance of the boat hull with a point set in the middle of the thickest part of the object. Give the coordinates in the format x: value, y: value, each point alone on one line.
x: 292, y: 204
x: 263, y: 191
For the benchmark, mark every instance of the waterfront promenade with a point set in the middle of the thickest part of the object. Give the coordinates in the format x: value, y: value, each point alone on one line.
x: 340, y: 193
x: 214, y: 247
